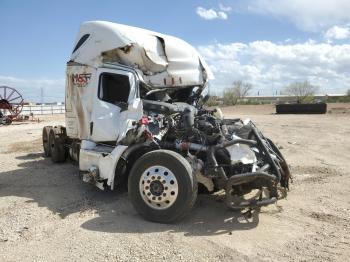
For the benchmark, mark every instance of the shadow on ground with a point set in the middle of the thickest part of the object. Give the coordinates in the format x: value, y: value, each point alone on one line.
x: 59, y: 188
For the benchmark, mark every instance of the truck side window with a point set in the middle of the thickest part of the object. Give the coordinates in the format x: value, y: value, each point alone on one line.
x: 114, y: 88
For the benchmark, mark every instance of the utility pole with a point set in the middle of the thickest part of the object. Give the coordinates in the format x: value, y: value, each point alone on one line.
x: 41, y: 98
x: 41, y: 95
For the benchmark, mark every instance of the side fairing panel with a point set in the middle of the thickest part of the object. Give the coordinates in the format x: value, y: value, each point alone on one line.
x: 79, y: 99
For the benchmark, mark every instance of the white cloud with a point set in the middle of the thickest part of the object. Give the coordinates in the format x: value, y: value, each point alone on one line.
x: 207, y: 14
x: 270, y: 66
x: 30, y: 89
x: 222, y: 15
x: 308, y: 15
x: 337, y: 32
x: 225, y: 8
x: 211, y: 14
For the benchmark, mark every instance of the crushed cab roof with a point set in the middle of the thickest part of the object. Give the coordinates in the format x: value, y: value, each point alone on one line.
x: 162, y: 59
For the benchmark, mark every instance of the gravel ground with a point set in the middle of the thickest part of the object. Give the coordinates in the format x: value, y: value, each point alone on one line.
x: 48, y: 214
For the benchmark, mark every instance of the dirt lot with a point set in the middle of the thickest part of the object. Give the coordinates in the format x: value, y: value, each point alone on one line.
x: 48, y: 214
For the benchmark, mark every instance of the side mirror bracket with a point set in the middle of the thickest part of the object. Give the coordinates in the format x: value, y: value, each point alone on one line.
x: 123, y: 106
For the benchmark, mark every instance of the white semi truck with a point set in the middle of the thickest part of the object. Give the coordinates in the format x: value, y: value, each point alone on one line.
x: 134, y: 115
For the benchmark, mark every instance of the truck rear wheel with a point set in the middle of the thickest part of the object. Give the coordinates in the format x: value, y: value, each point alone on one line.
x: 8, y: 121
x: 46, y: 143
x: 162, y: 187
x: 57, y: 149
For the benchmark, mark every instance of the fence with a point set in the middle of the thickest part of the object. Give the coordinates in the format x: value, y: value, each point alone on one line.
x: 42, y: 109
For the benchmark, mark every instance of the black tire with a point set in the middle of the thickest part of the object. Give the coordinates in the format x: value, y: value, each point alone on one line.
x: 58, y: 152
x: 46, y: 143
x: 8, y: 121
x: 187, y: 186
x: 320, y: 108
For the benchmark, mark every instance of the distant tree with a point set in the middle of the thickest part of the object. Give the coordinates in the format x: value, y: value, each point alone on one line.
x: 238, y: 90
x: 348, y: 92
x: 212, y: 101
x: 229, y: 98
x: 303, y: 91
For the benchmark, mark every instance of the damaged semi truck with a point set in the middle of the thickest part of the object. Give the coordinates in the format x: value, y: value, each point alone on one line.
x: 135, y: 115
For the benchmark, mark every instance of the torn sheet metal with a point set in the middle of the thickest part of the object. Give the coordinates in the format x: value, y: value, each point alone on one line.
x: 240, y: 153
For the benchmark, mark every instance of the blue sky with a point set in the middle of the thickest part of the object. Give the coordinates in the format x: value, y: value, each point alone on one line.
x: 269, y: 43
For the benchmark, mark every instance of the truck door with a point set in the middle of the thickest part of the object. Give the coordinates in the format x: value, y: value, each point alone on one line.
x: 116, y: 105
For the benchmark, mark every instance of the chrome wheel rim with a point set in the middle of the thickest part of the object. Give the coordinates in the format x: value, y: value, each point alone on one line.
x: 158, y: 187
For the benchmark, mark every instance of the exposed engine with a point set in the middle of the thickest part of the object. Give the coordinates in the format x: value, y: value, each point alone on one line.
x: 225, y: 154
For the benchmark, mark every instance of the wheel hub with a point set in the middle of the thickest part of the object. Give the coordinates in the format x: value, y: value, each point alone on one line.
x: 158, y: 187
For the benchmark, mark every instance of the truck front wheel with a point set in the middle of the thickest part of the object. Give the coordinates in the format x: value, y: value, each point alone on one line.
x: 162, y: 187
